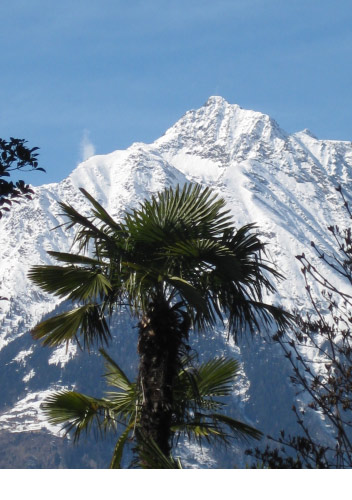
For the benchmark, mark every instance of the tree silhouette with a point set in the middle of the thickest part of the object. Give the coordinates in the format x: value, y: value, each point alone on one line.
x: 14, y: 155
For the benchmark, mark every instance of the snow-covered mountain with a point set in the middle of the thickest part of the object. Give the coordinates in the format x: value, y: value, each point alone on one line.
x: 284, y: 183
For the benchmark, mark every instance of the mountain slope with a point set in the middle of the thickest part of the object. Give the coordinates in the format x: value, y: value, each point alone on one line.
x: 285, y: 183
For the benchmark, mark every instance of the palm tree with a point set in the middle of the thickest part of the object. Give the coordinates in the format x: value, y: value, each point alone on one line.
x: 196, y: 409
x: 178, y: 263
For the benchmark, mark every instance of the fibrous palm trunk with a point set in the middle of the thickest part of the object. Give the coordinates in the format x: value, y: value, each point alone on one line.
x: 161, y: 337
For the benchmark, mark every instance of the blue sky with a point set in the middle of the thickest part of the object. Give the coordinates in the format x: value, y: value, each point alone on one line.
x: 111, y: 72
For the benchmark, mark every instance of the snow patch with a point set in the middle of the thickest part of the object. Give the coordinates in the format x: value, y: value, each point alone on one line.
x: 63, y: 354
x: 22, y: 355
x: 27, y: 415
x: 29, y: 375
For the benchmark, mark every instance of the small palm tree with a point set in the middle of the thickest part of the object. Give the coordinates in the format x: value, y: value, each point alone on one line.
x: 196, y: 410
x: 178, y: 263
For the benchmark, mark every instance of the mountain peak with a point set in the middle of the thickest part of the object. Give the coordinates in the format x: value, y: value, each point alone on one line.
x: 218, y: 124
x: 217, y: 101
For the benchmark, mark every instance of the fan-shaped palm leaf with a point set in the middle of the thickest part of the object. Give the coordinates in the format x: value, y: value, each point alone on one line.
x: 182, y: 244
x: 194, y: 404
x: 78, y: 412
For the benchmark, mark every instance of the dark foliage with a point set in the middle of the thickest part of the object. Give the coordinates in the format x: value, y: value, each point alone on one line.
x: 197, y: 408
x: 14, y: 155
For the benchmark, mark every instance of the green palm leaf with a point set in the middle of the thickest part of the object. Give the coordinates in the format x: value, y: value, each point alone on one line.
x: 238, y: 429
x: 101, y: 214
x: 70, y: 258
x: 124, y: 397
x: 151, y: 456
x: 78, y: 412
x: 72, y: 283
x: 216, y: 377
x: 114, y: 375
x: 216, y: 427
x: 194, y: 392
x: 86, y: 321
x: 119, y: 448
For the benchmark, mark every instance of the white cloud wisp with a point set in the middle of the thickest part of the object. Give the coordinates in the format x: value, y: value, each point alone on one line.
x: 87, y: 148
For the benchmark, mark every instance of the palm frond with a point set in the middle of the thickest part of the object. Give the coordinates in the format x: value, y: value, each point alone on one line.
x: 216, y: 377
x: 151, y: 456
x: 72, y: 283
x: 215, y: 427
x: 87, y: 232
x: 238, y: 429
x: 200, y: 431
x: 124, y: 399
x: 177, y: 214
x: 101, y: 214
x: 86, y: 321
x: 198, y: 306
x: 119, y: 447
x: 78, y: 413
x: 195, y: 409
x: 70, y: 258
x: 181, y: 240
x: 114, y: 375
